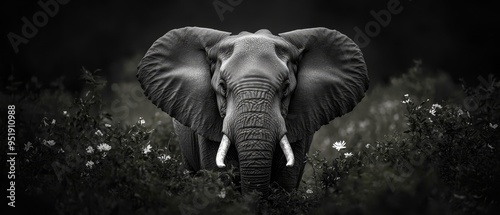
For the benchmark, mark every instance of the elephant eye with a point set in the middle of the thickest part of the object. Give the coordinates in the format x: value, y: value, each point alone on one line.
x: 212, y: 66
x: 286, y: 86
x: 222, y: 87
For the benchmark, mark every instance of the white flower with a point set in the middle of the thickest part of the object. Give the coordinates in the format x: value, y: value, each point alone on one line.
x: 433, y: 109
x: 53, y: 121
x: 98, y: 133
x: 339, y: 145
x: 222, y: 193
x: 65, y: 113
x: 348, y: 154
x: 90, y: 150
x: 309, y: 191
x: 164, y: 158
x: 90, y: 164
x: 437, y: 106
x: 408, y: 100
x: 103, y: 147
x: 494, y: 126
x: 433, y: 112
x: 107, y: 125
x: 147, y: 149
x: 49, y: 142
x: 141, y: 121
x: 367, y: 145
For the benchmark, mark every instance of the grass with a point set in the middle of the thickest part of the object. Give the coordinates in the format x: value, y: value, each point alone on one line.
x: 411, y: 154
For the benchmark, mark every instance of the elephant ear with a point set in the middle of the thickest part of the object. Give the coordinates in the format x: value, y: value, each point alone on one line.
x: 175, y: 75
x: 331, y: 79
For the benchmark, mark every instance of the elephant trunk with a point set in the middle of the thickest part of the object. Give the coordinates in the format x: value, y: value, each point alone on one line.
x: 256, y: 127
x: 255, y: 150
x: 260, y: 176
x: 256, y: 135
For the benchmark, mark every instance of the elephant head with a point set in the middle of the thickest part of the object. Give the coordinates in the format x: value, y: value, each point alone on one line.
x: 257, y: 91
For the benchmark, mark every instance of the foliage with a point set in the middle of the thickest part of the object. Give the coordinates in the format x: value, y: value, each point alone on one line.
x: 381, y: 112
x: 445, y: 162
x: 437, y: 159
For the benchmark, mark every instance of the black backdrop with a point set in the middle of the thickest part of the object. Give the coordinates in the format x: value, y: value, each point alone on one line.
x: 451, y: 36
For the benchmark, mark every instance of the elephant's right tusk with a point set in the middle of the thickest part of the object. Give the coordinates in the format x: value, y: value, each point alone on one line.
x: 287, y: 150
x: 221, y: 153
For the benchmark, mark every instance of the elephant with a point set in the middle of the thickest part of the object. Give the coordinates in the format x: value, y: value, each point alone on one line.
x: 236, y: 98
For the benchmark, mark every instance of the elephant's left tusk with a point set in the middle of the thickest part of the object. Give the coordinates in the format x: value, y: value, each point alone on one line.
x: 287, y: 150
x: 221, y: 153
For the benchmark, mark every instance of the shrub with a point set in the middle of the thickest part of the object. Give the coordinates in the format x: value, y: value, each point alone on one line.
x: 75, y: 158
x: 446, y: 162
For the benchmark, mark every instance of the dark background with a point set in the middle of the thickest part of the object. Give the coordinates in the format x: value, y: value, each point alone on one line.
x: 454, y: 37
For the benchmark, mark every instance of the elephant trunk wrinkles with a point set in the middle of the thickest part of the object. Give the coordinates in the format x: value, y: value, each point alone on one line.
x: 256, y: 135
x: 255, y: 155
x: 255, y: 131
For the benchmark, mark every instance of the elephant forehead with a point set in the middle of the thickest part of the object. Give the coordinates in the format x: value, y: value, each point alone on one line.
x: 260, y: 43
x: 262, y: 49
x: 254, y: 44
x: 255, y: 55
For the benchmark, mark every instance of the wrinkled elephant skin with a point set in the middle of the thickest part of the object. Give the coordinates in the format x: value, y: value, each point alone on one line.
x: 252, y: 100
